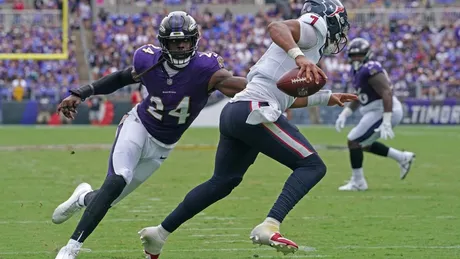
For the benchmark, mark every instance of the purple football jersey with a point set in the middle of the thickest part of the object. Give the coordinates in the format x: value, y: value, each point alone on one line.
x: 365, y: 91
x: 173, y: 102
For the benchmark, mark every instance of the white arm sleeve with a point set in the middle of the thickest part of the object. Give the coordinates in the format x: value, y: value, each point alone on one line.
x: 313, y: 31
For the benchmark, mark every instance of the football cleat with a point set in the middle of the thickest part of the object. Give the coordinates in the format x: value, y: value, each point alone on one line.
x: 152, y: 242
x: 71, y: 250
x: 266, y: 234
x: 406, y: 163
x: 68, y: 208
x: 354, y: 185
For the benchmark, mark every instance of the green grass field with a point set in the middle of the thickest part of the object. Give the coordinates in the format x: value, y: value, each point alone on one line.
x: 414, y: 218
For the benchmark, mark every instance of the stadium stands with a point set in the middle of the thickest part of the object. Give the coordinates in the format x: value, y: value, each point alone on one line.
x: 422, y: 60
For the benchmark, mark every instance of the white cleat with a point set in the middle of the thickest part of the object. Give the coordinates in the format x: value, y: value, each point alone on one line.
x: 68, y: 208
x: 70, y: 251
x: 152, y: 242
x: 405, y: 165
x: 354, y: 185
x: 267, y: 234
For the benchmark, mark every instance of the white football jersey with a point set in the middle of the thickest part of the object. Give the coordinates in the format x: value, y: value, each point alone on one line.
x: 275, y: 62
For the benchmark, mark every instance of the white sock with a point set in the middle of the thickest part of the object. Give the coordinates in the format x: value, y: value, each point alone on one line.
x: 358, y: 173
x: 272, y: 221
x: 163, y: 233
x: 74, y: 243
x: 395, y: 154
x: 81, y: 199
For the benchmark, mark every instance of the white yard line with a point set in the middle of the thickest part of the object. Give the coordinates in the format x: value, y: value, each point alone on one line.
x: 218, y: 220
x: 106, y: 146
x: 95, y: 146
x: 292, y: 256
x: 398, y: 247
x: 216, y: 235
x: 255, y: 249
x: 138, y: 251
x: 227, y: 241
x: 166, y: 200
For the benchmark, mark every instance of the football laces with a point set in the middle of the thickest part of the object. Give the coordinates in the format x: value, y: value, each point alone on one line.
x: 298, y: 80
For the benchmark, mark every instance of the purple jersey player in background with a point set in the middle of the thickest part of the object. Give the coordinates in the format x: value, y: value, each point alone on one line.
x: 179, y: 80
x: 381, y: 112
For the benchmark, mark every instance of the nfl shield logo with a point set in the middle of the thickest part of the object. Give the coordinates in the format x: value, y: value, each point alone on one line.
x: 169, y: 81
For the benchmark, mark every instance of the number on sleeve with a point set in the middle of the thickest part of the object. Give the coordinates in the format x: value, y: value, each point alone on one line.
x: 180, y: 112
x: 209, y: 54
x: 148, y: 50
x: 314, y: 18
x: 153, y: 46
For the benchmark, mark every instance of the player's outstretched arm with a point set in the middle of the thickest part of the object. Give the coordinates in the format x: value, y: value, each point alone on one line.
x: 381, y: 85
x: 106, y: 85
x: 346, y: 112
x: 226, y: 83
x: 324, y: 98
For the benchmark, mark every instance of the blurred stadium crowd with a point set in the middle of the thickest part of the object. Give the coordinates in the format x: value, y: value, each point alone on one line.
x: 422, y: 60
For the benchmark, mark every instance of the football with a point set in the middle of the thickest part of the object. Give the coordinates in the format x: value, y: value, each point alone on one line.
x: 292, y: 85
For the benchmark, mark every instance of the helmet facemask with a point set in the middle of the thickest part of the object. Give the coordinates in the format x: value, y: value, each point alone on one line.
x: 178, y: 49
x: 359, y: 53
x: 336, y: 40
x: 178, y: 37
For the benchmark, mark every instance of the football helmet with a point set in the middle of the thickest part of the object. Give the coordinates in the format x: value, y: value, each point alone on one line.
x: 359, y: 52
x: 178, y: 26
x: 335, y: 15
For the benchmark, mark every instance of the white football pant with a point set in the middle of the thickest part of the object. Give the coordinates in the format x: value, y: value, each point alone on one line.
x: 136, y: 155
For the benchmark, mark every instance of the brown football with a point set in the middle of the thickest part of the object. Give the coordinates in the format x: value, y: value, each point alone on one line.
x: 290, y: 84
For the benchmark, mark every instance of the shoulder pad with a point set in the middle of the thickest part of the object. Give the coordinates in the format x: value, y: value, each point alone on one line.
x: 316, y: 21
x: 144, y: 56
x: 210, y: 59
x: 374, y: 67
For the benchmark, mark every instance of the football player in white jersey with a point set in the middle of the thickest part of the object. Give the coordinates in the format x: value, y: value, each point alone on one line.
x: 381, y: 112
x: 251, y: 123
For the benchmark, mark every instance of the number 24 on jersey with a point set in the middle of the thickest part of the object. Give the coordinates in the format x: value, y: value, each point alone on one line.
x: 180, y: 112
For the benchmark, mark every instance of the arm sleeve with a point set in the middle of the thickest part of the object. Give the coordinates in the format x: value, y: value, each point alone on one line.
x: 106, y: 85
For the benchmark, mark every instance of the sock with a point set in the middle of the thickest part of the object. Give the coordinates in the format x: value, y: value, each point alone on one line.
x: 396, y: 154
x: 356, y: 157
x: 74, y: 243
x: 85, y: 199
x: 163, y: 233
x: 299, y: 183
x: 358, y: 173
x: 199, y: 199
x: 272, y: 221
x: 378, y: 149
x: 98, y: 207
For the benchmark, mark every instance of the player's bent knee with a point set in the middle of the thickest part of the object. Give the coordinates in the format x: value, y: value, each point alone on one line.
x: 110, y: 190
x: 315, y: 165
x: 113, y: 185
x: 353, y: 144
x: 366, y: 148
x: 125, y: 173
x: 225, y: 185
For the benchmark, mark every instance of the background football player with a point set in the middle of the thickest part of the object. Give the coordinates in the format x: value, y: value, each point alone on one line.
x: 381, y: 112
